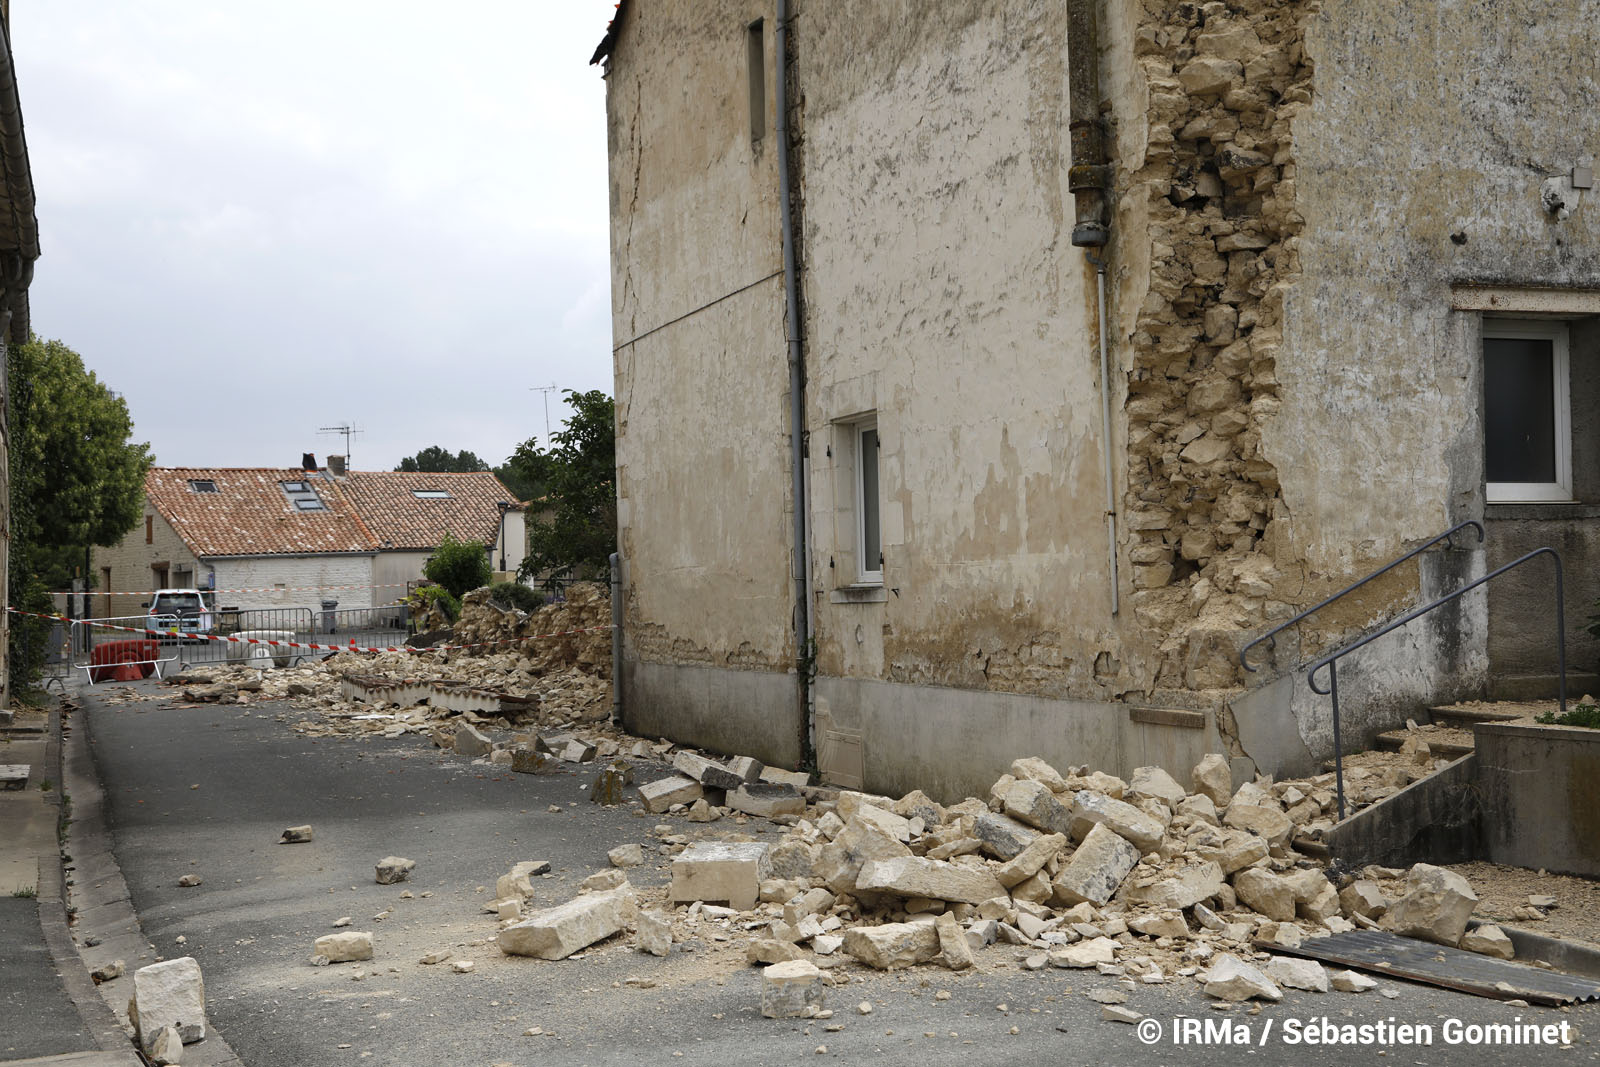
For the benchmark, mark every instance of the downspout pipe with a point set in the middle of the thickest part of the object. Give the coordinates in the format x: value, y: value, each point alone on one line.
x: 1088, y: 176
x: 615, y: 562
x: 802, y: 602
x: 1089, y: 179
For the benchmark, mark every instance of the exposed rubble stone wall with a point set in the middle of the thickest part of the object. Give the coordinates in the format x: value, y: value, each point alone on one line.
x: 1217, y: 187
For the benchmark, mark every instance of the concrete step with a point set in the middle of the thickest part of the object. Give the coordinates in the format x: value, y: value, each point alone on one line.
x: 1391, y: 742
x: 14, y: 775
x: 1463, y: 718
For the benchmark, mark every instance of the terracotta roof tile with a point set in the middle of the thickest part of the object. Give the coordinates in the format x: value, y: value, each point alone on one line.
x: 251, y: 515
x: 366, y: 511
x: 398, y: 518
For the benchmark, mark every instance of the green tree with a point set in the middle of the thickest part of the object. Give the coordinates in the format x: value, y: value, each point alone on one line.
x: 76, y: 478
x: 459, y: 566
x: 435, y: 460
x: 573, y: 525
x: 526, y: 472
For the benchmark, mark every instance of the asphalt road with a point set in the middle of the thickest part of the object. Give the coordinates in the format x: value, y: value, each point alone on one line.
x: 207, y: 791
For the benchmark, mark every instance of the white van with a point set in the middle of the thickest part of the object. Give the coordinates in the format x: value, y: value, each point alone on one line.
x: 180, y: 609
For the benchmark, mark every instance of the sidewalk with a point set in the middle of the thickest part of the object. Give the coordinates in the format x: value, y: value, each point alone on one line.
x: 49, y: 1010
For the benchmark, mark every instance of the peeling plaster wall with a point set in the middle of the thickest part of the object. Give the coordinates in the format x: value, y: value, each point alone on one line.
x: 701, y: 375
x: 943, y: 295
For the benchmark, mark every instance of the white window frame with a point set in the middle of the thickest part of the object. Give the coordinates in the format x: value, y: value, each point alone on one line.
x: 1557, y: 333
x: 868, y: 572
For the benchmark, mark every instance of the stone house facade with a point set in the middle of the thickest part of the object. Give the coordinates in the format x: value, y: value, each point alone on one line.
x: 1120, y: 331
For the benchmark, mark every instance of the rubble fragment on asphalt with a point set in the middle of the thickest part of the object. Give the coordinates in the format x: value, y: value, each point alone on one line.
x: 295, y: 835
x: 348, y: 946
x: 392, y: 869
x: 168, y: 994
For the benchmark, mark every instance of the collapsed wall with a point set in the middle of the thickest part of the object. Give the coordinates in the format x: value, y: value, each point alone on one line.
x: 1209, y: 208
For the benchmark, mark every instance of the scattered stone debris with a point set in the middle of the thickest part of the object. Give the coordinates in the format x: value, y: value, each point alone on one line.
x: 791, y: 990
x: 626, y: 856
x: 392, y: 869
x: 189, y: 881
x: 295, y: 835
x: 346, y: 947
x: 107, y: 972
x: 170, y: 994
x: 556, y: 933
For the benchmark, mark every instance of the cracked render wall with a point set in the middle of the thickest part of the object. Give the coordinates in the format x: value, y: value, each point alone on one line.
x: 701, y: 384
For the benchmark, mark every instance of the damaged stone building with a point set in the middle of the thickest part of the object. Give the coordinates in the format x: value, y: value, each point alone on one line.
x: 988, y: 374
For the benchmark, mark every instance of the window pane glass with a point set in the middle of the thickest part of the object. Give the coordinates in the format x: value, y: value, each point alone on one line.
x: 871, y: 546
x: 1519, y: 401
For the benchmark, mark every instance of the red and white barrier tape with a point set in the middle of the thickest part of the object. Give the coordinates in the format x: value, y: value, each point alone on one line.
x: 352, y: 647
x: 263, y: 589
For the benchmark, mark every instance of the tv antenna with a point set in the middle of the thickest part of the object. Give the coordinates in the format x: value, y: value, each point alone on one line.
x: 546, y: 390
x: 348, y: 430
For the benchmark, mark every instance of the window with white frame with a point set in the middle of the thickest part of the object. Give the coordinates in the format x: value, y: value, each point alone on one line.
x: 869, y: 532
x: 1527, y: 410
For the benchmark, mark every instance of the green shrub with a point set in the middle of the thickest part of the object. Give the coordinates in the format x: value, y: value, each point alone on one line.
x: 459, y: 566
x: 515, y: 595
x: 1582, y: 715
x: 433, y: 594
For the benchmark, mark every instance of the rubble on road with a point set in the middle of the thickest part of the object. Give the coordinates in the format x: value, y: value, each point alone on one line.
x: 392, y: 869
x: 345, y: 947
x: 295, y: 835
x: 168, y: 994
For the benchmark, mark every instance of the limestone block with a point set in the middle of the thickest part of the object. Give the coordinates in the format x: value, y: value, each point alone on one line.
x: 1033, y: 803
x: 1181, y: 888
x: 708, y: 773
x: 347, y: 946
x: 167, y: 1046
x: 954, y: 950
x: 893, y: 945
x: 791, y: 990
x: 392, y: 869
x: 661, y: 794
x: 527, y: 759
x: 1298, y: 973
x: 1362, y: 897
x: 1269, y: 894
x: 915, y: 876
x: 1153, y: 783
x: 653, y: 934
x: 470, y: 741
x: 609, y: 785
x: 1160, y: 924
x: 295, y: 835
x: 603, y: 880
x: 1230, y: 978
x: 748, y: 768
x: 519, y: 881
x: 1029, y: 861
x: 838, y: 863
x: 576, y: 751
x: 773, y: 950
x: 918, y: 805
x: 1090, y: 952
x: 779, y: 776
x: 792, y: 859
x: 720, y: 871
x: 1490, y: 941
x: 1097, y: 868
x: 171, y: 993
x: 1002, y: 837
x: 1033, y: 769
x: 1091, y: 808
x: 626, y: 856
x: 1199, y: 806
x: 556, y: 933
x: 894, y: 825
x: 811, y: 902
x: 1436, y: 906
x: 1236, y: 850
x: 1353, y: 982
x: 767, y: 799
x: 1269, y: 823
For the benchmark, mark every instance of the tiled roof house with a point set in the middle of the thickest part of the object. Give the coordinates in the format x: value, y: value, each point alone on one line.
x: 265, y: 536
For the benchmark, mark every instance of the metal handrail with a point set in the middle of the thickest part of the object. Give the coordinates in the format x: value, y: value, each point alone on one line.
x: 1271, y: 635
x: 1330, y: 661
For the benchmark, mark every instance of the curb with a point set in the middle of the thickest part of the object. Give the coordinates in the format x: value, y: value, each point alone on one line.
x: 106, y: 912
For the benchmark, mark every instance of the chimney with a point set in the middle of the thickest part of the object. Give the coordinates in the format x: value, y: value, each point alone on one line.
x: 336, y: 466
x: 308, y: 461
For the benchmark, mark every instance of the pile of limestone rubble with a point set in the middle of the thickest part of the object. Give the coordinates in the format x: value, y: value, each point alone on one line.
x: 1143, y: 879
x: 539, y: 669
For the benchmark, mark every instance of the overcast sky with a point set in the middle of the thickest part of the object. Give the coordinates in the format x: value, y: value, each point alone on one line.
x: 262, y: 219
